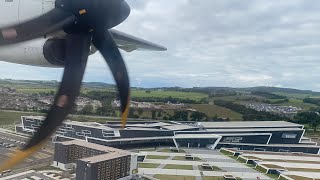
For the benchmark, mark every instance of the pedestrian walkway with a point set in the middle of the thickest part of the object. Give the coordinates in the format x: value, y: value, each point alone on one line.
x: 212, y: 157
x: 180, y: 172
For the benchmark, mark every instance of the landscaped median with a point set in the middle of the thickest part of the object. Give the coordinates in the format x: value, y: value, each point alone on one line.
x: 148, y: 165
x: 173, y: 177
x: 242, y: 159
x: 293, y: 177
x: 227, y: 152
x: 171, y: 151
x: 157, y: 157
x: 262, y: 168
x: 267, y: 170
x: 182, y: 158
x: 178, y: 166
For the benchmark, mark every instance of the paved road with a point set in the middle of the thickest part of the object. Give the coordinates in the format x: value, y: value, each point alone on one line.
x: 35, y: 175
x: 44, y: 156
x: 195, y: 167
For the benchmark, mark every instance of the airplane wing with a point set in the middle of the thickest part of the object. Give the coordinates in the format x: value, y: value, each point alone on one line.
x: 130, y: 43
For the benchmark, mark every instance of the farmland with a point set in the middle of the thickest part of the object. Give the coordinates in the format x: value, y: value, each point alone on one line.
x: 212, y: 110
x: 193, y: 99
x: 173, y: 94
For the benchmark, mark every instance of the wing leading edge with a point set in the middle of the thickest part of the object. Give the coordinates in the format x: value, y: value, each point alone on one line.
x: 130, y: 43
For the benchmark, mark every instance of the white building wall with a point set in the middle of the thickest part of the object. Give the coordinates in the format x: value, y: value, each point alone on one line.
x: 134, y: 162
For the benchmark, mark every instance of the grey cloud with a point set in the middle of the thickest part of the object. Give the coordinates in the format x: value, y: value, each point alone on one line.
x: 217, y: 43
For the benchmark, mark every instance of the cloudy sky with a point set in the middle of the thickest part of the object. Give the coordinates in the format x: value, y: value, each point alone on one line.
x: 213, y: 43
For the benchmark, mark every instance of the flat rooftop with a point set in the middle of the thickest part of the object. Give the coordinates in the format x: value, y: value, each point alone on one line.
x: 110, y: 152
x: 94, y: 146
x: 179, y: 126
x: 248, y: 124
x: 213, y: 131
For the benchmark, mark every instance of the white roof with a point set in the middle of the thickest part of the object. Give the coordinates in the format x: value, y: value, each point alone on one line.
x: 197, y: 136
x: 179, y: 127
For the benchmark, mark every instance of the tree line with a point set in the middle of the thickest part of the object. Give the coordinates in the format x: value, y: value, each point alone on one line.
x: 268, y: 95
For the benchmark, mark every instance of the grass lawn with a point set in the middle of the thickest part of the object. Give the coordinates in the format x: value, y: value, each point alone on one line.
x: 173, y: 94
x: 169, y: 151
x: 215, y: 178
x: 148, y: 165
x: 252, y: 157
x: 10, y: 117
x: 292, y: 161
x: 274, y: 176
x: 298, y: 103
x: 147, y: 149
x: 156, y: 157
x: 182, y: 158
x: 212, y: 178
x: 172, y: 177
x: 273, y: 166
x: 303, y: 169
x: 212, y: 110
x: 299, y: 177
x: 36, y: 90
x: 214, y: 168
x: 294, y: 95
x: 178, y: 166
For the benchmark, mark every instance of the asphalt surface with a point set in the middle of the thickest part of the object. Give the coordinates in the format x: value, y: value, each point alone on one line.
x: 44, y: 156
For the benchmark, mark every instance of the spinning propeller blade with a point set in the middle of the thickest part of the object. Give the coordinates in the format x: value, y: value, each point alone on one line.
x: 77, y: 50
x: 84, y: 22
x: 50, y: 22
x: 104, y: 42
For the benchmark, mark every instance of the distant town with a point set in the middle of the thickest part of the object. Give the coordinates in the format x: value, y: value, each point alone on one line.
x: 284, y: 110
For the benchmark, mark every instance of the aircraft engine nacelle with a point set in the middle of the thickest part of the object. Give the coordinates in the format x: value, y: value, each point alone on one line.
x: 38, y: 52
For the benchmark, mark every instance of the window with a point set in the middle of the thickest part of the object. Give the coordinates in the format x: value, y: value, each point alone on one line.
x: 288, y: 136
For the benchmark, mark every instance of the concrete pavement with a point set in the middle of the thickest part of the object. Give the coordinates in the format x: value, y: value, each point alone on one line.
x: 212, y: 157
x: 180, y: 172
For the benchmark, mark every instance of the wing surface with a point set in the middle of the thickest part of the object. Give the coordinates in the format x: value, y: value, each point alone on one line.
x: 130, y: 43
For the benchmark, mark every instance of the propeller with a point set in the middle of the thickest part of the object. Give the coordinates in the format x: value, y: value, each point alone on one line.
x: 85, y: 23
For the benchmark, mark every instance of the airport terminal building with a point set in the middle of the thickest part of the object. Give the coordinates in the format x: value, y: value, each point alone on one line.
x: 245, y: 135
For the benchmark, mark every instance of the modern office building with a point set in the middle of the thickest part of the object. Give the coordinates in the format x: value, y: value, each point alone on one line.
x: 247, y: 135
x: 93, y: 161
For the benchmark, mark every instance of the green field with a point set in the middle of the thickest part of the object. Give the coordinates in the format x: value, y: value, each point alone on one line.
x: 172, y: 177
x: 293, y: 95
x: 173, y: 94
x: 182, y: 158
x: 213, y: 178
x: 178, y: 166
x: 298, y: 103
x: 169, y: 150
x: 35, y: 90
x: 148, y: 165
x: 214, y: 168
x: 10, y: 117
x: 156, y: 157
x: 212, y: 110
x: 299, y: 177
x: 134, y: 92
